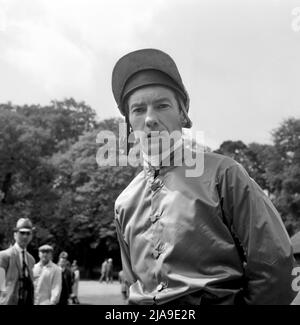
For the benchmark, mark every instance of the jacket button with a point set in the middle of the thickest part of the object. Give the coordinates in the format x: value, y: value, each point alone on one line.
x: 154, y: 218
x: 156, y: 185
x: 156, y: 254
x: 159, y: 287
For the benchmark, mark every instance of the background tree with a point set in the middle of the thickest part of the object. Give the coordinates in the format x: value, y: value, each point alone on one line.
x: 88, y: 193
x: 283, y: 171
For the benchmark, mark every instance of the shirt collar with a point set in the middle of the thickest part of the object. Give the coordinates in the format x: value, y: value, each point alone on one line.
x: 166, y: 161
x: 184, y: 151
x: 19, y: 249
x: 49, y: 264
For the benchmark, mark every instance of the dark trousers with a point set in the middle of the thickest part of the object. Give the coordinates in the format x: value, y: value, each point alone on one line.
x: 26, y: 292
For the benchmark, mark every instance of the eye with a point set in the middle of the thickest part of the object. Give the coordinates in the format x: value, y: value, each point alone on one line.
x: 138, y: 110
x: 163, y: 105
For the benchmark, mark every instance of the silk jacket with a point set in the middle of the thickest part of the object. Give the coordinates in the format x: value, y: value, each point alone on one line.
x: 10, y: 262
x: 211, y: 239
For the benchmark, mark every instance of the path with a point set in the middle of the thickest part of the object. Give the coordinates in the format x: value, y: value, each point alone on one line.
x: 95, y: 293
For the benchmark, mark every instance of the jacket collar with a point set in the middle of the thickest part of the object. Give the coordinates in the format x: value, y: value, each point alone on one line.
x: 17, y: 252
x: 178, y: 157
x: 19, y: 249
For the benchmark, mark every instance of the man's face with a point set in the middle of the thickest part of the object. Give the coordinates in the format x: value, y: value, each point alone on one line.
x: 45, y: 256
x: 154, y: 110
x: 62, y: 262
x: 23, y: 237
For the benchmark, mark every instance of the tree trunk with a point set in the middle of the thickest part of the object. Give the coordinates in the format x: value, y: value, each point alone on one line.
x: 6, y: 186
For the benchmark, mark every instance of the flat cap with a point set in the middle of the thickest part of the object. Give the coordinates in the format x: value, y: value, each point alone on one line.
x: 141, y: 60
x: 24, y: 224
x: 46, y: 248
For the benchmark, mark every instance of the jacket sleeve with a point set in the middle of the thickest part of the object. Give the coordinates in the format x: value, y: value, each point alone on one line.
x: 4, y: 261
x: 125, y: 256
x: 256, y: 224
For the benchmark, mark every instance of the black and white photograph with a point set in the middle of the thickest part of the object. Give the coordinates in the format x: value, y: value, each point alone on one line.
x: 149, y: 155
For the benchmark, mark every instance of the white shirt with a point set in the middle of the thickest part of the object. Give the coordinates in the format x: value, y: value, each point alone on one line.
x: 20, y: 249
x: 47, y: 283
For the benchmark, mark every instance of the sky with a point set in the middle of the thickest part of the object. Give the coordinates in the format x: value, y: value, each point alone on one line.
x: 239, y: 60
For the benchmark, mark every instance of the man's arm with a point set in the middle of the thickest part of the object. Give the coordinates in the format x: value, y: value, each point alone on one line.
x: 2, y: 279
x: 255, y: 222
x: 125, y: 256
x: 3, y: 267
x: 56, y: 286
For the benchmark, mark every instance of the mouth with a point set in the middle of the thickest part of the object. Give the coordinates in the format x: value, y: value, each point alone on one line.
x: 154, y: 134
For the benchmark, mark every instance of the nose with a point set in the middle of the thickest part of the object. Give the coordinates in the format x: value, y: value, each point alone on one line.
x: 151, y: 120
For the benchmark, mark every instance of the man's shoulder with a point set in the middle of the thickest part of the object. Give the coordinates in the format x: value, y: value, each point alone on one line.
x: 135, y: 186
x: 7, y: 252
x: 37, y: 265
x: 218, y: 162
x: 227, y: 169
x: 5, y: 256
x: 211, y: 165
x: 31, y: 258
x: 55, y: 267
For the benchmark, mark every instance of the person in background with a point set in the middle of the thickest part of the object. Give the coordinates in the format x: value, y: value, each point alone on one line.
x: 47, y: 278
x: 103, y: 270
x: 109, y: 271
x: 67, y: 279
x: 76, y: 278
x: 124, y: 286
x: 16, y: 264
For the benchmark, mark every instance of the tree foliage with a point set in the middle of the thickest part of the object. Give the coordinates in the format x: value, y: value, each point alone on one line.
x: 48, y: 172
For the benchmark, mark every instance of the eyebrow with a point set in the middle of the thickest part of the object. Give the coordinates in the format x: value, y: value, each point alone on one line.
x: 161, y: 99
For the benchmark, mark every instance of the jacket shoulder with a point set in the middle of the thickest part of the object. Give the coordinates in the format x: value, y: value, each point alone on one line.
x: 31, y: 258
x: 5, y: 256
x: 218, y: 161
x: 55, y: 267
x: 6, y: 252
x: 210, y: 167
x: 133, y: 188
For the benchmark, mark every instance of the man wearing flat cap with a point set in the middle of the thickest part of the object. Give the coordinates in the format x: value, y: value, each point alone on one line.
x: 210, y: 238
x: 47, y: 278
x: 16, y: 278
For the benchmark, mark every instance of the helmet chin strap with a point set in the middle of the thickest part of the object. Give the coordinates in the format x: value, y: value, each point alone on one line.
x: 187, y: 123
x: 128, y: 127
